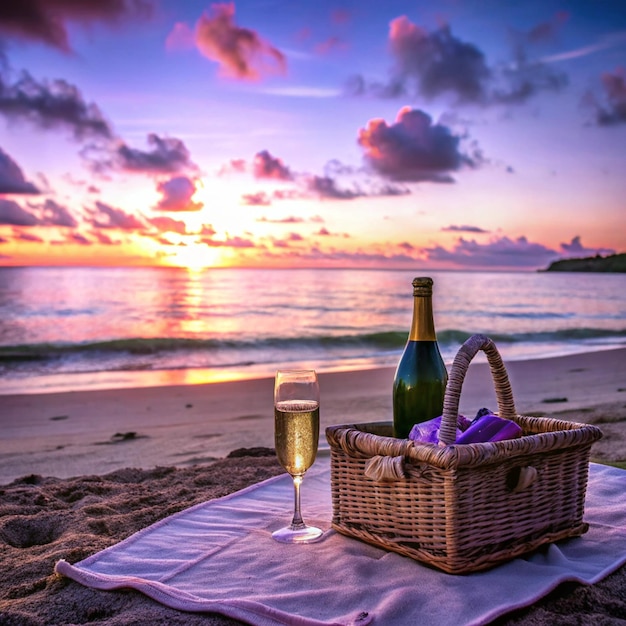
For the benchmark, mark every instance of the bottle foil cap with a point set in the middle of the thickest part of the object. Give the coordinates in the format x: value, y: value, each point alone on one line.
x: 422, y: 286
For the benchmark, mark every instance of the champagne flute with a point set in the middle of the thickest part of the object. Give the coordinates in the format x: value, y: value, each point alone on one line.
x: 296, y: 434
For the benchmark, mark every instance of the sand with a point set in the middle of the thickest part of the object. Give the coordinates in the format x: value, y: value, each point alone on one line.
x: 67, y: 490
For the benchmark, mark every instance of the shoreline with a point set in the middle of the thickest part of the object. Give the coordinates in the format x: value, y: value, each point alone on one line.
x: 75, y: 433
x: 148, y: 378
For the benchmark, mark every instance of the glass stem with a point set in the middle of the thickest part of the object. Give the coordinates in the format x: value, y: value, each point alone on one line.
x: 297, y: 521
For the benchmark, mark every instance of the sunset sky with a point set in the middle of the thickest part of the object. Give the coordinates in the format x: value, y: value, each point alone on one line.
x: 461, y: 134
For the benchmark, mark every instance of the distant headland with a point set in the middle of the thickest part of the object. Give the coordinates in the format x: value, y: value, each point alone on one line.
x: 598, y: 263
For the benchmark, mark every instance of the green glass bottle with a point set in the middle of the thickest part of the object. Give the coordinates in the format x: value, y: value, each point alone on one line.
x: 421, y: 376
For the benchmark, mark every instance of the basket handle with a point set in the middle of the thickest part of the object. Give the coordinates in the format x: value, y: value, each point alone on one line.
x: 504, y: 395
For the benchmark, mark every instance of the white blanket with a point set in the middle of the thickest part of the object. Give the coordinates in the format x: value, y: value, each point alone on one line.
x: 219, y: 557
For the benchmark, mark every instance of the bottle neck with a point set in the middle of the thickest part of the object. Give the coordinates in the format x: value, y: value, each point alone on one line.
x: 422, y: 326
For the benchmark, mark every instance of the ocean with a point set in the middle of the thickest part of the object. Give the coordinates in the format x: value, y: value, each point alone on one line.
x: 66, y: 328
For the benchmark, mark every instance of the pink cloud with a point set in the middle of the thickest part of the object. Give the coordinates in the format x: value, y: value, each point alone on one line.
x: 240, y: 52
x: 169, y: 225
x: 331, y: 44
x: 181, y: 37
x: 231, y: 242
x: 256, y: 199
x: 267, y: 166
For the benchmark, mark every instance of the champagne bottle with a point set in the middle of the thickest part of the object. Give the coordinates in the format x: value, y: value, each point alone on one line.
x: 421, y: 376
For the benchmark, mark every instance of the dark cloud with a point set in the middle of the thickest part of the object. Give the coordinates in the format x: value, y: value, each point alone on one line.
x: 612, y: 110
x: 438, y: 61
x: 326, y: 187
x: 433, y: 64
x: 177, y: 195
x: 12, y: 179
x: 167, y: 155
x: 413, y: 148
x: 13, y: 214
x: 169, y: 225
x: 45, y: 21
x: 106, y: 216
x: 502, y: 252
x: 519, y: 82
x: 575, y: 248
x: 463, y: 228
x: 240, y: 52
x: 267, y: 166
x: 55, y: 104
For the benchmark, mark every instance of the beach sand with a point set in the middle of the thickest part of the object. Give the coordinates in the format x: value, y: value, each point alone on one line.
x: 66, y: 490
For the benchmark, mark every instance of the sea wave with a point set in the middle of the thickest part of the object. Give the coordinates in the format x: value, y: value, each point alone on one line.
x: 383, y: 341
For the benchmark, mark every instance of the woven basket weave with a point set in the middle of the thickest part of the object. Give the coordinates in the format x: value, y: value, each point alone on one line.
x: 462, y: 508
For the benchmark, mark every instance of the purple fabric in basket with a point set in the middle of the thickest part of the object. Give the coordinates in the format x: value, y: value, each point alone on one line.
x: 219, y: 557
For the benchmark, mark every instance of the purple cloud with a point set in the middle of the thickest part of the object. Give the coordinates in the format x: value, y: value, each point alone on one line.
x: 104, y: 239
x: 12, y: 179
x: 79, y: 239
x: 502, y: 252
x: 326, y: 187
x: 613, y: 110
x: 463, y: 228
x: 575, y: 248
x: 106, y: 216
x: 413, y: 148
x: 177, y: 195
x: 438, y: 61
x: 13, y: 214
x: 53, y: 214
x: 167, y: 155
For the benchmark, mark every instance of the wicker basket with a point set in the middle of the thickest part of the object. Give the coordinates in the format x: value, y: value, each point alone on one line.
x: 462, y: 508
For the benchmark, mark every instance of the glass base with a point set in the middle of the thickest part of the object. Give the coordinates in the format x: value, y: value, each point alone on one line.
x: 298, y: 534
